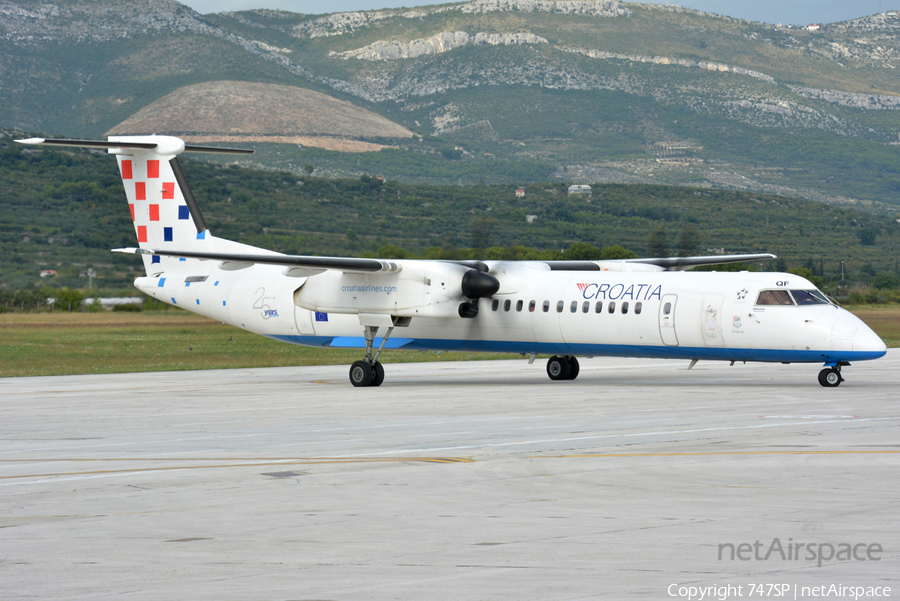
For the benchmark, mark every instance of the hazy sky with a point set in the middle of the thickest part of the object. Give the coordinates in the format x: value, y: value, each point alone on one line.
x: 768, y: 11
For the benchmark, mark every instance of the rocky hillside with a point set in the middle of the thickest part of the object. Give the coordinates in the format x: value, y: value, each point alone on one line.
x: 594, y: 90
x: 245, y: 111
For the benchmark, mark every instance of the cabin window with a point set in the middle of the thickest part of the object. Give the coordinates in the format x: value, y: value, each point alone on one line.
x: 809, y: 297
x: 638, y: 307
x: 560, y: 306
x: 495, y: 304
x: 667, y: 309
x: 574, y: 307
x: 624, y: 307
x: 531, y: 306
x: 774, y: 297
x: 612, y: 307
x: 546, y: 306
x: 506, y: 305
x: 598, y: 308
x: 519, y: 305
x: 585, y: 307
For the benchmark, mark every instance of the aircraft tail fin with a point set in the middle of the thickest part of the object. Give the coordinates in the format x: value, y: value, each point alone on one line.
x: 163, y: 208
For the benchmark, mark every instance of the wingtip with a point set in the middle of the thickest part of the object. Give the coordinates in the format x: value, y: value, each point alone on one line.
x: 134, y: 251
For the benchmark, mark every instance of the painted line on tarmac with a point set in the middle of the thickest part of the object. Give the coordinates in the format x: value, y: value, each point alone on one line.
x: 252, y: 463
x: 714, y: 453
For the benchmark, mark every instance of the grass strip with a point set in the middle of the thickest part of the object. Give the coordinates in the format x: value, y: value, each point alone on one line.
x: 52, y: 344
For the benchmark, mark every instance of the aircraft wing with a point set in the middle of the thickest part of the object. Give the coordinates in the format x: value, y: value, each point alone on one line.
x: 666, y: 263
x: 361, y: 265
x: 684, y: 263
x: 294, y: 261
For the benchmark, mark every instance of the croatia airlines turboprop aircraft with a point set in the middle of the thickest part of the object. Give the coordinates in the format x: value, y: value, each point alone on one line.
x: 626, y: 308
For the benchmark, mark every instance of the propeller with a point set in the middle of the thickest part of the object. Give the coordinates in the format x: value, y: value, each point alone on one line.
x: 476, y: 284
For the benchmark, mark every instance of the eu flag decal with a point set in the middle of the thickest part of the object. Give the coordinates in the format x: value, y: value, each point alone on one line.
x: 321, y: 316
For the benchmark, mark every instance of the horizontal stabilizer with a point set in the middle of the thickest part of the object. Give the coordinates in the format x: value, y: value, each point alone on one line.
x: 86, y: 143
x: 128, y: 144
x: 341, y: 263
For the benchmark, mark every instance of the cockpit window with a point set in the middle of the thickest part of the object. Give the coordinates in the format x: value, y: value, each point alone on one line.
x: 809, y: 297
x: 774, y: 297
x: 786, y: 297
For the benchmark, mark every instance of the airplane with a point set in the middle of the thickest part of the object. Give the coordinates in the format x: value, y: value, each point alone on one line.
x: 646, y: 308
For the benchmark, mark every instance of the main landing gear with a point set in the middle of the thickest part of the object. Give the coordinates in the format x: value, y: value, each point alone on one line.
x: 369, y: 372
x: 830, y: 377
x: 562, y: 368
x: 363, y: 373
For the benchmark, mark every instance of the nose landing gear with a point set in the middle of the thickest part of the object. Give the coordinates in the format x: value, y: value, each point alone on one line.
x: 830, y: 377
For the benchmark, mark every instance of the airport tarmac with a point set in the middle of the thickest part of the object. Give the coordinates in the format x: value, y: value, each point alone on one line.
x: 453, y: 480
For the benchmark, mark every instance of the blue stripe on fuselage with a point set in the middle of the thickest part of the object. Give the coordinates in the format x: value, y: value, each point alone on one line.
x: 596, y: 350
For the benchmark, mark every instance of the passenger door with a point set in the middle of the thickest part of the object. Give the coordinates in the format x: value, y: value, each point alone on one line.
x: 667, y: 320
x: 711, y: 320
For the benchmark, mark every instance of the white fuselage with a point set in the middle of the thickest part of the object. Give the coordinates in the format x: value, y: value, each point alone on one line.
x: 668, y: 314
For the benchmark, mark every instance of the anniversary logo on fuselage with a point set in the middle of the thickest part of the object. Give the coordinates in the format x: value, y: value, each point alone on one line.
x: 620, y: 291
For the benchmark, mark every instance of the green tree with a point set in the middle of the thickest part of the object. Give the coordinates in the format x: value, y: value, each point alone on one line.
x: 886, y: 281
x: 95, y: 306
x: 689, y: 241
x: 803, y: 272
x: 68, y: 299
x: 482, y: 227
x: 867, y: 235
x: 657, y: 241
x: 392, y: 251
x: 582, y: 251
x: 613, y: 253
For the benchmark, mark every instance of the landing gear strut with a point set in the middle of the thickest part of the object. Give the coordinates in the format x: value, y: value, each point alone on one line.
x: 369, y: 372
x: 562, y: 368
x: 830, y: 377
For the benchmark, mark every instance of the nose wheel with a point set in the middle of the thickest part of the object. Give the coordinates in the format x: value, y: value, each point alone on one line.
x: 830, y: 377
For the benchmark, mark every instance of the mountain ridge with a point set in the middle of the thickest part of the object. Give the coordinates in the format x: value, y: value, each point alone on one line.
x: 571, y: 84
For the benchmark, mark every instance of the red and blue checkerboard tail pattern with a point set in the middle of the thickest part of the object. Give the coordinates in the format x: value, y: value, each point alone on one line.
x: 163, y: 209
x: 165, y: 215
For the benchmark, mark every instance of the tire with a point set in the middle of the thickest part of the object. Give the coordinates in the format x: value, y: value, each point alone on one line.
x: 379, y: 375
x: 830, y: 377
x: 558, y: 368
x: 574, y: 368
x: 361, y: 374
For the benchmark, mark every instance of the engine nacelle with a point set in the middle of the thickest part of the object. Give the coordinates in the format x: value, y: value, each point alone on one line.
x: 419, y: 289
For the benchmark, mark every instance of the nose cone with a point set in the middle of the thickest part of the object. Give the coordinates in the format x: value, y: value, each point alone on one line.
x: 867, y: 341
x: 851, y: 334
